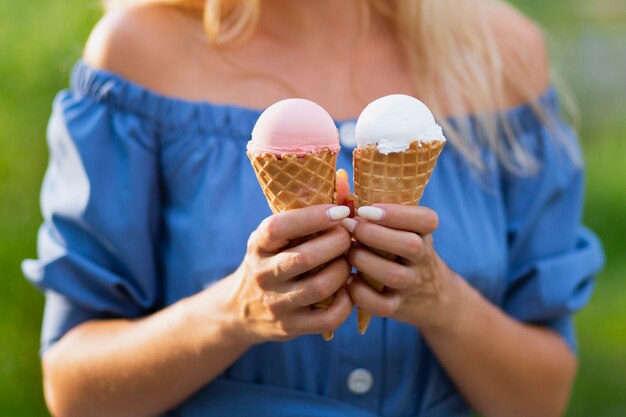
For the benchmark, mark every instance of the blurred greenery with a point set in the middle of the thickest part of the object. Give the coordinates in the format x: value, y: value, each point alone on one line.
x: 39, y: 42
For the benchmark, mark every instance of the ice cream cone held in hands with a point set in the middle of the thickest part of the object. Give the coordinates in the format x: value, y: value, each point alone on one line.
x: 399, y: 143
x: 293, y: 151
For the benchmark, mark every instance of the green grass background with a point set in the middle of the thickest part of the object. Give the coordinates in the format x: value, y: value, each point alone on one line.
x: 39, y: 42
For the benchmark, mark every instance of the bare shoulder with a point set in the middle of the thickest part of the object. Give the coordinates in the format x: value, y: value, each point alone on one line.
x: 141, y: 43
x: 524, y: 54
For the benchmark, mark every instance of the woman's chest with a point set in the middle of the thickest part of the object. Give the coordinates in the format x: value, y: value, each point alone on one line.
x: 262, y: 71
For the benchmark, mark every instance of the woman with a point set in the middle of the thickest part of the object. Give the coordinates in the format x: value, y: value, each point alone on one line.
x: 168, y: 294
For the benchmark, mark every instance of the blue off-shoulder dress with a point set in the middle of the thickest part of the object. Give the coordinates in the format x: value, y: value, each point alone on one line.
x: 149, y: 199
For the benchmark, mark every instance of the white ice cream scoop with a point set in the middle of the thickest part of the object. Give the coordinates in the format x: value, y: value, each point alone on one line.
x: 393, y: 122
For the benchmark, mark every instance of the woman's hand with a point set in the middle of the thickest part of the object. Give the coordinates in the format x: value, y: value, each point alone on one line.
x: 416, y: 283
x: 271, y: 298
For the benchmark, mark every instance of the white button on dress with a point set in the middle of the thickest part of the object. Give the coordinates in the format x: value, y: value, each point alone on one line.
x: 360, y: 381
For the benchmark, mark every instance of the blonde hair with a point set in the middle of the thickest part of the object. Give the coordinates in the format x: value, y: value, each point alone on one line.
x: 450, y: 43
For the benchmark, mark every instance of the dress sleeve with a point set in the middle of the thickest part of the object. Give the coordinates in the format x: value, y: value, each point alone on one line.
x: 100, y: 202
x: 552, y: 257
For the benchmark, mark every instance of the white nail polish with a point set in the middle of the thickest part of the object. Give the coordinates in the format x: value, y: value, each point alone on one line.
x: 349, y: 224
x: 338, y: 212
x: 371, y: 213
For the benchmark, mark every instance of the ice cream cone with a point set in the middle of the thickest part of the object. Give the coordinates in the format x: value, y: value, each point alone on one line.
x: 398, y: 178
x: 291, y: 182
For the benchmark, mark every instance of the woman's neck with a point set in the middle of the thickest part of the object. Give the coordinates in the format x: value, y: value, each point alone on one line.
x: 330, y: 25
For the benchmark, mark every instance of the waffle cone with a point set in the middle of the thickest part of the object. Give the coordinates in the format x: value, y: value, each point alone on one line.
x: 398, y: 178
x: 292, y: 182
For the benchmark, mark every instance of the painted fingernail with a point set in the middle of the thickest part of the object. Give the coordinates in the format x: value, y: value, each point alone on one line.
x: 349, y: 280
x: 338, y: 212
x: 371, y: 213
x: 349, y: 224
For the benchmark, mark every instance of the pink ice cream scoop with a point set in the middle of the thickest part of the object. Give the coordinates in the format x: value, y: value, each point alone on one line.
x: 294, y: 126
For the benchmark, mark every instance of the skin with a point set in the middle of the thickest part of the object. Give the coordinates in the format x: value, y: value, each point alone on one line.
x: 121, y: 367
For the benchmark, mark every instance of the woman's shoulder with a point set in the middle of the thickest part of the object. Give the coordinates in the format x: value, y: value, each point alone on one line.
x: 525, y: 62
x: 125, y: 40
x: 146, y: 44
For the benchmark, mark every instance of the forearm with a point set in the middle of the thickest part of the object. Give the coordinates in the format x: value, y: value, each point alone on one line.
x: 142, y: 367
x: 501, y: 366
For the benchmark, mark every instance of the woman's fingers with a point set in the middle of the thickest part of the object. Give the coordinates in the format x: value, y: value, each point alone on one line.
x: 318, y: 287
x: 292, y: 262
x: 290, y: 305
x: 316, y: 321
x: 390, y: 274
x: 383, y: 304
x: 416, y: 219
x: 407, y: 245
x: 276, y: 231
